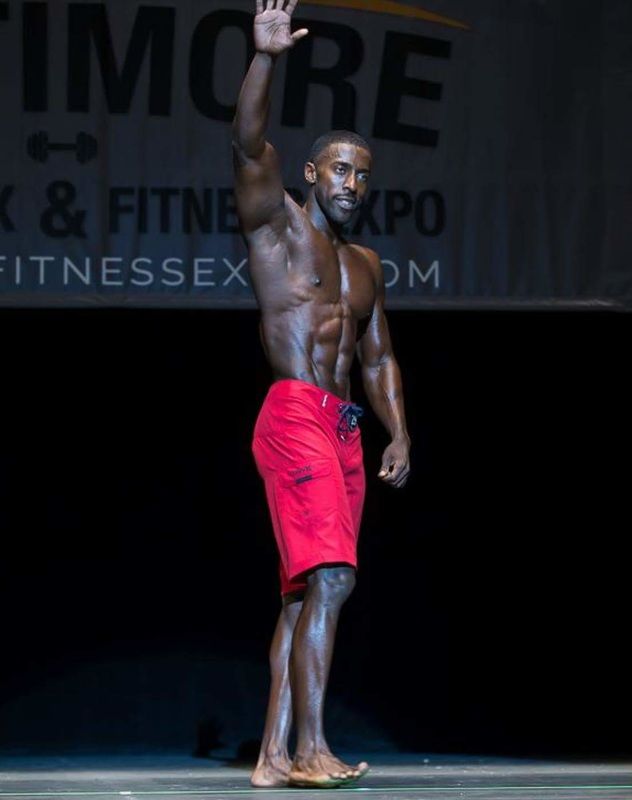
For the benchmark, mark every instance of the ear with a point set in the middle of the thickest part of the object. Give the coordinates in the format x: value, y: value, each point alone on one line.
x: 310, y: 173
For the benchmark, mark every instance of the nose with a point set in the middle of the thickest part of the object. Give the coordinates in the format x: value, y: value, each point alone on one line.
x: 351, y: 182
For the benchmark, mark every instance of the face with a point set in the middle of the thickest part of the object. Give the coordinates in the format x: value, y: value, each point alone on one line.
x: 340, y: 178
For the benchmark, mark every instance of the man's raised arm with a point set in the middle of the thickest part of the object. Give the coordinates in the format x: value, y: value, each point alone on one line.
x: 259, y: 187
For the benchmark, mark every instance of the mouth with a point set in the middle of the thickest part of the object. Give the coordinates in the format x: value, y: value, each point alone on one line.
x: 348, y: 203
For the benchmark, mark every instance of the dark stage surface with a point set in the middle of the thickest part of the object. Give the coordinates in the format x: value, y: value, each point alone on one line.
x: 138, y: 575
x: 402, y: 776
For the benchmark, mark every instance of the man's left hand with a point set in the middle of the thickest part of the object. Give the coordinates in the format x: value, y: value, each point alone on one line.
x: 395, y: 463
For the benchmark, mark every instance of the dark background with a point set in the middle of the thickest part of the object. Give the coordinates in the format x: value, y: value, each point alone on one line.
x: 138, y: 581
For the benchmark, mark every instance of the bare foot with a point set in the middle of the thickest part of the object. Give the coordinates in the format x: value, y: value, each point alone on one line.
x: 324, y: 770
x: 356, y: 771
x: 271, y: 772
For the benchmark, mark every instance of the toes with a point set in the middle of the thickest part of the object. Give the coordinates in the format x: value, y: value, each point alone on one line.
x: 340, y: 777
x: 334, y: 773
x: 347, y: 775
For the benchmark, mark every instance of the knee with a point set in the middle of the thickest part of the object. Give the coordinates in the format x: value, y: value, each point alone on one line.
x: 333, y: 584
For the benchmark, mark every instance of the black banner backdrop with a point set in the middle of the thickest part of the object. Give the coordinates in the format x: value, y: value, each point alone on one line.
x: 500, y: 130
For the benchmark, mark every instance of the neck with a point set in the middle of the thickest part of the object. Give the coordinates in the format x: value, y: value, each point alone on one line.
x: 320, y: 220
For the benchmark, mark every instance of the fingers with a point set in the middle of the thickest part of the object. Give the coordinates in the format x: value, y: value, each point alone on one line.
x: 402, y: 480
x: 390, y: 470
x: 277, y: 5
x: 395, y: 474
x: 398, y: 477
x: 299, y: 34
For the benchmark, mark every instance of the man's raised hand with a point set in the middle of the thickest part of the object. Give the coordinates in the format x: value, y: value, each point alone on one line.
x: 273, y: 32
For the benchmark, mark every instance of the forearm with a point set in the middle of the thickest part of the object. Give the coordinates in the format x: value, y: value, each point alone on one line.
x: 253, y: 106
x: 383, y: 387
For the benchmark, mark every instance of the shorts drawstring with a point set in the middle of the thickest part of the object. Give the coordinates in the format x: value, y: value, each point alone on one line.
x: 349, y: 417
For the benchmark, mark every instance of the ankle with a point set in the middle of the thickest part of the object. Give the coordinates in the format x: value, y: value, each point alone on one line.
x: 274, y: 752
x: 306, y: 750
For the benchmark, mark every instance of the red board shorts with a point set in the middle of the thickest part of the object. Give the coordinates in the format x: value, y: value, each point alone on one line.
x: 311, y: 462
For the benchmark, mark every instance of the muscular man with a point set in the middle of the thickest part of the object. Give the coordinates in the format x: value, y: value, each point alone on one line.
x: 321, y: 301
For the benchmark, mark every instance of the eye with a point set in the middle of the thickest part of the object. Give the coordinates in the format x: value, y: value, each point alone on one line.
x: 340, y: 170
x: 363, y: 177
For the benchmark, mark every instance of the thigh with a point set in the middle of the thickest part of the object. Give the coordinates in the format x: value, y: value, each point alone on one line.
x: 308, y: 500
x: 314, y: 512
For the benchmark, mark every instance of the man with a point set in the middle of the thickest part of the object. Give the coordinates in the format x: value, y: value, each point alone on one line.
x: 321, y: 300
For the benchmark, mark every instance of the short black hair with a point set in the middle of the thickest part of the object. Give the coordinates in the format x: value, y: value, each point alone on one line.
x: 336, y: 137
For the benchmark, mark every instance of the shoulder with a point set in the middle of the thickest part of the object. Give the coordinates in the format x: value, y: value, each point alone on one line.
x: 292, y: 206
x: 371, y: 258
x: 368, y: 255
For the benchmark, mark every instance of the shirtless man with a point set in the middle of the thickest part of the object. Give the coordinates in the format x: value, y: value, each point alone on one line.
x: 321, y: 300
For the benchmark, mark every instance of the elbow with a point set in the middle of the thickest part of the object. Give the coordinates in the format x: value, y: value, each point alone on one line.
x: 379, y: 362
x: 370, y: 374
x: 378, y: 369
x: 241, y: 152
x: 245, y: 149
x: 237, y: 134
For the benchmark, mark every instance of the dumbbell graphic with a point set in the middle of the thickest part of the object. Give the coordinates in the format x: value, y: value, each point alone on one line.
x: 39, y: 147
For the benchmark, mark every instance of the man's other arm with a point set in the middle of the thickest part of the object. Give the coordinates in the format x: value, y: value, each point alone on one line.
x: 382, y: 382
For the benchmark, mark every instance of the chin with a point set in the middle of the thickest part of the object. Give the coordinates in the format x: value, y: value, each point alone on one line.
x: 333, y: 212
x: 340, y: 217
x: 343, y: 220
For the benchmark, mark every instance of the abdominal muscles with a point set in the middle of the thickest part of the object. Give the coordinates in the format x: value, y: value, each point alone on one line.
x: 313, y: 342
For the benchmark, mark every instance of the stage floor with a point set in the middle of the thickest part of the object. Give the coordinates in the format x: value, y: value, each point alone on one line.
x: 397, y: 777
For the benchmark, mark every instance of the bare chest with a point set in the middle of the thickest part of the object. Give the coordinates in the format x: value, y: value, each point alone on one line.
x: 324, y: 273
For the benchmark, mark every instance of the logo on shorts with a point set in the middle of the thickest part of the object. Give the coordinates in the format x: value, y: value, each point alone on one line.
x: 302, y: 474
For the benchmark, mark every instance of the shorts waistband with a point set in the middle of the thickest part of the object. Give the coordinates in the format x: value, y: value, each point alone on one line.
x: 328, y: 403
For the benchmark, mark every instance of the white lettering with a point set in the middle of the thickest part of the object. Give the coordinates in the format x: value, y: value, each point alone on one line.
x: 139, y: 271
x: 69, y: 267
x: 107, y: 270
x: 413, y: 270
x: 170, y: 271
x: 395, y: 269
x: 198, y: 271
x: 235, y: 272
x: 42, y: 261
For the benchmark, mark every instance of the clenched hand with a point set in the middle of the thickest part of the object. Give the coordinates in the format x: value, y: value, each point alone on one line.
x: 396, y: 464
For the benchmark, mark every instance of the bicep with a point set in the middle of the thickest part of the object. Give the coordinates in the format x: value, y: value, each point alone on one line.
x: 259, y: 189
x: 375, y: 344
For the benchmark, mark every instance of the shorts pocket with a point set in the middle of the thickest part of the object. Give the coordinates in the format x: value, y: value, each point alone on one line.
x: 308, y: 493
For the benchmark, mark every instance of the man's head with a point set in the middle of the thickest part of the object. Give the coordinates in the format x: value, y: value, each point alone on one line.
x: 338, y: 169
